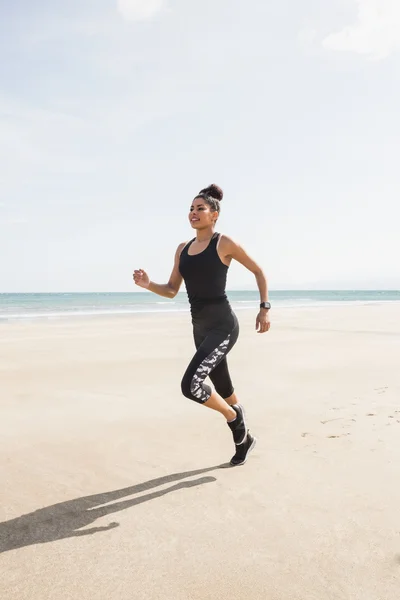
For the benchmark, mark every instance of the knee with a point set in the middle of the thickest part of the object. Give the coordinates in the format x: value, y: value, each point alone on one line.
x: 192, y: 389
x: 188, y: 388
x: 185, y: 388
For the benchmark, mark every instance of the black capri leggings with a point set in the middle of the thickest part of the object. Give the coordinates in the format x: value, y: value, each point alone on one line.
x: 215, y: 331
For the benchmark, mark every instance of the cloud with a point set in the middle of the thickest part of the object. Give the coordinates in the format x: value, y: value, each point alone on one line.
x: 375, y: 34
x: 139, y: 10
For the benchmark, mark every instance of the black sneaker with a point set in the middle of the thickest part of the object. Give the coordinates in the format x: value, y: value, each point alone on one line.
x: 238, y: 426
x: 243, y: 450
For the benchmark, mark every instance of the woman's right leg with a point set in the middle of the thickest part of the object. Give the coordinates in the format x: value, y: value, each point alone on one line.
x: 221, y: 379
x: 210, y: 352
x: 216, y: 401
x: 212, y: 348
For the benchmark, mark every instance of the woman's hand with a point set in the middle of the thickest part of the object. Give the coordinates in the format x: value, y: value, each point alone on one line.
x: 262, y: 322
x: 141, y: 278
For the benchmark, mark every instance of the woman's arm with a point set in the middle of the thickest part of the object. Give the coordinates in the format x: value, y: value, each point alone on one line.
x: 229, y: 249
x: 167, y: 290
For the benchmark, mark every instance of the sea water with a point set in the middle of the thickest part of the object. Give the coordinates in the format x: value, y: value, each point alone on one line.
x: 17, y: 307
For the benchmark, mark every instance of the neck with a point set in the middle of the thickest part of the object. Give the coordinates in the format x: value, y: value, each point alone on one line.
x: 205, y: 234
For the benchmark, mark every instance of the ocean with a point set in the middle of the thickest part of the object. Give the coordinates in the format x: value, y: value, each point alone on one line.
x: 31, y: 307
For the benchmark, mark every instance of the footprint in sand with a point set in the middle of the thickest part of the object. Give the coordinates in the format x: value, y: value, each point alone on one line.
x: 381, y: 390
x: 347, y: 421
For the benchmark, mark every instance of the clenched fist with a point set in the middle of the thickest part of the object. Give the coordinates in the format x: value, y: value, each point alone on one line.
x: 141, y: 278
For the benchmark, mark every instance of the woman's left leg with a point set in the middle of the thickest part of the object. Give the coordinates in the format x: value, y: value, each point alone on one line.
x: 223, y: 384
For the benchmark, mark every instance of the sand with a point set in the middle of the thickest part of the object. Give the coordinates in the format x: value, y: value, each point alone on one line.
x: 114, y: 486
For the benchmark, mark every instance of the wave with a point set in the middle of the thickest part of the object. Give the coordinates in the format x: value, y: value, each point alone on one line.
x: 85, y: 313
x: 34, y: 313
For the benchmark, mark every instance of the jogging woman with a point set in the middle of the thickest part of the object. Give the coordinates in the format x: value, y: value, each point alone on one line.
x: 203, y: 264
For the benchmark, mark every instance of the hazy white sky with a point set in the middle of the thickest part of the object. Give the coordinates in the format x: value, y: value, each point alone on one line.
x: 113, y: 114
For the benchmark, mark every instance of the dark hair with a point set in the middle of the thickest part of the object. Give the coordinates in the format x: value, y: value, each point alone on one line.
x: 213, y: 195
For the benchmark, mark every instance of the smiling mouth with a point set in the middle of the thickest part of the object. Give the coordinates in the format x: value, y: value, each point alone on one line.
x: 194, y: 220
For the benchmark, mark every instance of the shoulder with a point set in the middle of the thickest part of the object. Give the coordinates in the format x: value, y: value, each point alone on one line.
x: 226, y: 239
x: 180, y: 248
x: 227, y: 244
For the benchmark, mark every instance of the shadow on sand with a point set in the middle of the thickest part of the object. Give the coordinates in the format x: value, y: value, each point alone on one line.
x: 66, y: 519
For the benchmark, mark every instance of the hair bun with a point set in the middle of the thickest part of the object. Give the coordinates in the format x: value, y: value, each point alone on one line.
x: 214, y: 191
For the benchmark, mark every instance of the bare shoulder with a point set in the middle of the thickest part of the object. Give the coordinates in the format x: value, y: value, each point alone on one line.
x: 231, y: 249
x: 227, y: 245
x: 180, y: 248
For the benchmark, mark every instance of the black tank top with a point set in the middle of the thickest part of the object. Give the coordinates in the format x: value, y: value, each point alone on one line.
x: 204, y: 274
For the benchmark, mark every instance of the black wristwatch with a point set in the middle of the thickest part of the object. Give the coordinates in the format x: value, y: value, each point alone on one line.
x: 266, y: 305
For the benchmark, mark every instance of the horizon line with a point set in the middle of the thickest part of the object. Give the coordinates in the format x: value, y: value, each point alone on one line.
x: 272, y: 291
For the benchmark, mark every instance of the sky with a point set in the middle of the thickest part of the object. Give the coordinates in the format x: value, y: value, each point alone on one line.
x: 115, y: 113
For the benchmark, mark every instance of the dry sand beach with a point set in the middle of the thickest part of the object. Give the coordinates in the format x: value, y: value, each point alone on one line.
x: 115, y: 487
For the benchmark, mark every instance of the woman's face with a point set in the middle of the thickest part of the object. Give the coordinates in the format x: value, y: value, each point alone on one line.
x: 201, y: 215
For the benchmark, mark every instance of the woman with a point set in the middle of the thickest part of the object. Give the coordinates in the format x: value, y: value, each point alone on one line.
x: 203, y: 264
